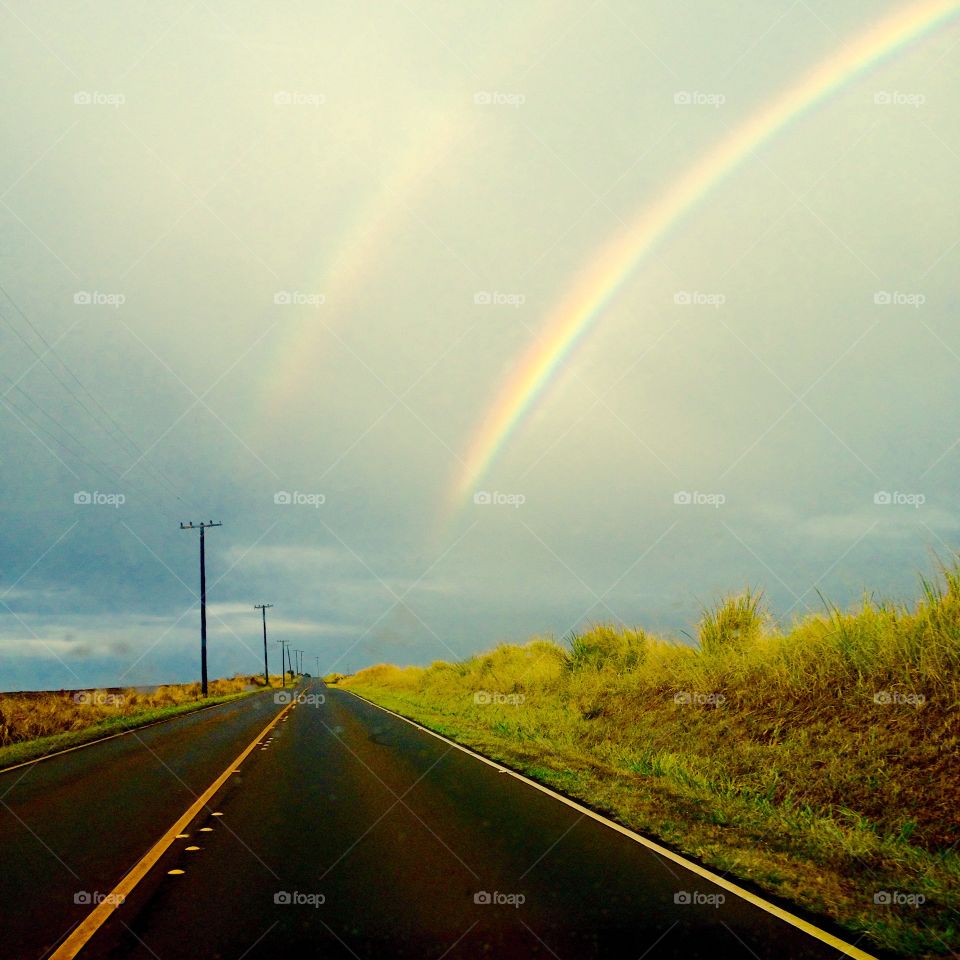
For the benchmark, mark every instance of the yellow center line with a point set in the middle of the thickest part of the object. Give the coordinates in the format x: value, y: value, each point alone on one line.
x: 101, y: 913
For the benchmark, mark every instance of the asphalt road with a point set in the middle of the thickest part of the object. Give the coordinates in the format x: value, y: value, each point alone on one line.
x: 74, y: 824
x: 351, y: 833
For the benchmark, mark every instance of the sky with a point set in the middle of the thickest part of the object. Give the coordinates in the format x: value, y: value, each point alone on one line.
x: 284, y: 267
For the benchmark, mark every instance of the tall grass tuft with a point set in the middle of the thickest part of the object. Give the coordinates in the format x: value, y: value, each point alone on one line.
x: 734, y: 622
x: 606, y: 647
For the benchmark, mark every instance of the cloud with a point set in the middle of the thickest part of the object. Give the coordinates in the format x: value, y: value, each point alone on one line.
x: 803, y: 391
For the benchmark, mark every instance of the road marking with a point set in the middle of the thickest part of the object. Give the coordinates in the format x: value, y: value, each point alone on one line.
x: 828, y: 938
x: 176, y: 873
x: 191, y: 848
x: 122, y: 733
x: 101, y: 913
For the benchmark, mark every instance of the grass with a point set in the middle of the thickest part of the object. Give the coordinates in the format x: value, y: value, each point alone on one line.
x: 33, y: 725
x: 816, y: 761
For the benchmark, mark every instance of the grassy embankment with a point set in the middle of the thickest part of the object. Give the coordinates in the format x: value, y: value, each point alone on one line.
x: 35, y: 724
x: 817, y: 762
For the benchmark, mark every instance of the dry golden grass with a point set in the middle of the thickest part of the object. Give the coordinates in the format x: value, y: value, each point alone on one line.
x: 30, y: 716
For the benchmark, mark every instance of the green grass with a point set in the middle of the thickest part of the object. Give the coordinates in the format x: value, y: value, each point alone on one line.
x: 816, y: 760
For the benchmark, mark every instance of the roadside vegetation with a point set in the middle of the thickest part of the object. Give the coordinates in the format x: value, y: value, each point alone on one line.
x: 34, y: 724
x: 816, y: 761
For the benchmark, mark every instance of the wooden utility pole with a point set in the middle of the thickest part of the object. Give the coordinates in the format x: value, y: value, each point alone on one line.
x: 203, y: 598
x: 266, y: 669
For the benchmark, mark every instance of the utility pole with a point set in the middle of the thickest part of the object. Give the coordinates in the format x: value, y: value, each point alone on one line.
x: 283, y: 662
x: 318, y: 665
x: 203, y: 598
x: 266, y: 669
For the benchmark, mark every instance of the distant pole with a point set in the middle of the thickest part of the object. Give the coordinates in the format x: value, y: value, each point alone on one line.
x: 203, y: 598
x: 266, y: 669
x: 318, y: 665
x: 283, y: 663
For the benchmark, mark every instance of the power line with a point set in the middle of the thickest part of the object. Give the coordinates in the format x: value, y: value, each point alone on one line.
x: 66, y: 366
x: 99, y: 466
x: 111, y: 433
x: 105, y: 469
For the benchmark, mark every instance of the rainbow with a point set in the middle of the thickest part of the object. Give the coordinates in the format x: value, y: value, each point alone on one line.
x: 382, y: 213
x: 603, y: 277
x: 373, y: 226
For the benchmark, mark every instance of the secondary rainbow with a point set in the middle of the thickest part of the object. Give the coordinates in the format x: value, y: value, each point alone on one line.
x: 437, y: 132
x: 602, y: 278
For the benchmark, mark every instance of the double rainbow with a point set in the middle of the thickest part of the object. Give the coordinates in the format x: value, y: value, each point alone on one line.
x: 603, y: 277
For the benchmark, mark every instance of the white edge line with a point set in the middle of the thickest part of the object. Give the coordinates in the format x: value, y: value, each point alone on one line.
x: 123, y: 733
x: 828, y: 938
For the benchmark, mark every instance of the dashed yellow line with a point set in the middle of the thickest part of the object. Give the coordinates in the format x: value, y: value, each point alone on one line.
x: 101, y: 913
x: 828, y: 938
